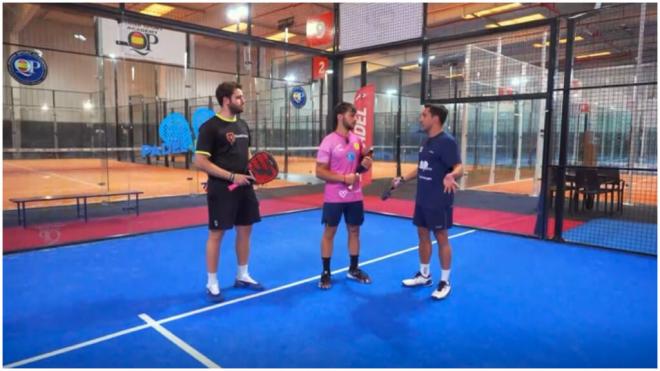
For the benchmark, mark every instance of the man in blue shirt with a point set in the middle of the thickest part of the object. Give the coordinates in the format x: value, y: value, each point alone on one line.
x: 439, y: 168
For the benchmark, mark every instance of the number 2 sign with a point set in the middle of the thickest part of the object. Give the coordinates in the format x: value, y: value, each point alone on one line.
x: 319, y: 67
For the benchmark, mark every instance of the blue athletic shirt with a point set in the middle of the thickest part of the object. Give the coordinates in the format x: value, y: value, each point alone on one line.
x: 437, y: 157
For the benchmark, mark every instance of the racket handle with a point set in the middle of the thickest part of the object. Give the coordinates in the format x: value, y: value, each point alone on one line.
x: 387, y: 194
x: 350, y: 187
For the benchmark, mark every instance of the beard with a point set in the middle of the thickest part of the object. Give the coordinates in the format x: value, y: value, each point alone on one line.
x: 347, y: 125
x: 235, y: 109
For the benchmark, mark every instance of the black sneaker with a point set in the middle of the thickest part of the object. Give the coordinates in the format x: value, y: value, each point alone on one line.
x: 325, y: 282
x: 358, y: 275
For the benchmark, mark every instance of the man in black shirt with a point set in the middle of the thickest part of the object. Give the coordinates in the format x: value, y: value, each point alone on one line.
x: 223, y: 152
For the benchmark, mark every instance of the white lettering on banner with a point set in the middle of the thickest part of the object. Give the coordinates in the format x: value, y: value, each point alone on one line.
x: 361, y: 124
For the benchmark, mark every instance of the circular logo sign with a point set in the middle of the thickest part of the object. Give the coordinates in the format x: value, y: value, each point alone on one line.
x: 298, y: 97
x: 27, y: 67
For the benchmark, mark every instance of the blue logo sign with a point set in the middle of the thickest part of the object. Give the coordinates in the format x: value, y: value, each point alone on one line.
x: 27, y: 67
x: 298, y: 97
x: 200, y: 116
x: 351, y: 156
x: 175, y: 133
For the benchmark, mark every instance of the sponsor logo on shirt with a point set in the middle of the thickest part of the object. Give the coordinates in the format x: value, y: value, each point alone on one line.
x: 424, y: 166
x: 231, y: 137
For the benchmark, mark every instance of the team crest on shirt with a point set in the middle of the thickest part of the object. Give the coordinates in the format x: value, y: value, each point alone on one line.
x: 356, y: 145
x: 231, y: 137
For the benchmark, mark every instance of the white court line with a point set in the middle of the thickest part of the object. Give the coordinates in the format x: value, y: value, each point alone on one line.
x: 76, y: 346
x: 208, y: 308
x: 52, y: 174
x: 178, y: 342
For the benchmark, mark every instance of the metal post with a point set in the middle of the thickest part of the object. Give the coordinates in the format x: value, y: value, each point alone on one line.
x: 542, y: 221
x: 425, y: 75
x: 464, y: 118
x: 398, y: 126
x: 321, y: 86
x: 519, y: 120
x: 335, y: 92
x: 56, y: 141
x: 117, y: 134
x: 130, y: 125
x: 286, y: 129
x: 363, y: 74
x: 167, y: 157
x: 561, y: 176
x: 498, y: 75
x: 539, y: 136
x: 636, y: 117
x: 187, y: 115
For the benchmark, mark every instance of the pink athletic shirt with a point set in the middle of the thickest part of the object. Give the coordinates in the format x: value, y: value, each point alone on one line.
x: 343, y: 158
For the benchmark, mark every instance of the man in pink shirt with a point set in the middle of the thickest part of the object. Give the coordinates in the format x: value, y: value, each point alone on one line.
x: 338, y: 158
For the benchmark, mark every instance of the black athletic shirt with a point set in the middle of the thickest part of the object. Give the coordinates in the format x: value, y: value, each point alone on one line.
x: 226, y: 142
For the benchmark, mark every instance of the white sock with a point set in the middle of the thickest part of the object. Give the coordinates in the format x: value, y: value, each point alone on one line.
x: 444, y: 276
x: 212, y: 279
x: 425, y: 269
x: 212, y: 283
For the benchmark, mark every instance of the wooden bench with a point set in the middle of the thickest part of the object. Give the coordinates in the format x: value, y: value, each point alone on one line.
x: 20, y: 202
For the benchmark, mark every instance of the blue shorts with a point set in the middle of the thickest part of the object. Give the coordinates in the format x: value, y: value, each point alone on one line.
x: 433, y: 219
x: 353, y: 213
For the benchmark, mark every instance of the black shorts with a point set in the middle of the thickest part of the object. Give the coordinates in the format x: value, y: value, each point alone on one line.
x: 433, y: 219
x: 353, y: 213
x: 230, y: 208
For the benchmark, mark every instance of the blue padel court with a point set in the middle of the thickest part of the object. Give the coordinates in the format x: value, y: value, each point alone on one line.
x: 516, y: 302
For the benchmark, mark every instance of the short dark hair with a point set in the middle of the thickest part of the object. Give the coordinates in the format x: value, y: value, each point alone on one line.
x: 344, y: 107
x: 438, y: 110
x: 226, y: 90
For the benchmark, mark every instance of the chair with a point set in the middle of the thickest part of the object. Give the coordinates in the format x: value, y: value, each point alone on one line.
x: 588, y: 184
x: 613, y: 182
x: 553, y: 186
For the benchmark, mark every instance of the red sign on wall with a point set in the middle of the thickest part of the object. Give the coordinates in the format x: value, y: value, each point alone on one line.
x: 320, y: 29
x: 319, y: 67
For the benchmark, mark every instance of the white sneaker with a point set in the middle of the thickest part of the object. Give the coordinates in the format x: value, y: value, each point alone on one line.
x: 418, y: 280
x: 442, y: 291
x: 213, y: 293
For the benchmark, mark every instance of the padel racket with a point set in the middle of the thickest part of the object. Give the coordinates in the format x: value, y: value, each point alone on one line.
x: 387, y: 192
x: 361, y: 169
x: 263, y: 168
